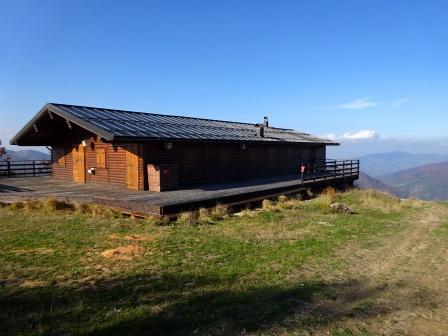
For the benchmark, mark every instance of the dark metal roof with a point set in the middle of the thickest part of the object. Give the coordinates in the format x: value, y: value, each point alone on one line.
x: 117, y: 125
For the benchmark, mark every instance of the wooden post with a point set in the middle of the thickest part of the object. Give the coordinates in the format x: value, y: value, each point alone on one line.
x: 8, y: 163
x: 335, y: 169
x: 34, y: 168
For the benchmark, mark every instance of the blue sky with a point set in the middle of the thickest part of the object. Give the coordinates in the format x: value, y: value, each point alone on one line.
x: 363, y: 72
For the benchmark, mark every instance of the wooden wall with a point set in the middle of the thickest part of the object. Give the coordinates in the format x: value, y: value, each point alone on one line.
x: 214, y: 162
x: 62, y: 162
x: 114, y: 171
x: 197, y: 162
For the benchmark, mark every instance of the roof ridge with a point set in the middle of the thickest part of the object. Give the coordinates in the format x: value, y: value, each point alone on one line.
x: 170, y: 115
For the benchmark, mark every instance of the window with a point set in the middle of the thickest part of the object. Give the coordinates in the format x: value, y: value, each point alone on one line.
x: 100, y: 158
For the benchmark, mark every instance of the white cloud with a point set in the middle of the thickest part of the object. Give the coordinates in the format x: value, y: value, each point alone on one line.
x: 360, y: 135
x: 397, y: 103
x: 358, y: 104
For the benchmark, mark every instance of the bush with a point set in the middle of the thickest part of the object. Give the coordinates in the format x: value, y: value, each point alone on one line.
x: 33, y: 205
x: 104, y: 212
x: 219, y: 212
x: 53, y: 204
x: 205, y: 216
x: 286, y: 203
x: 84, y: 208
x: 188, y: 218
x: 17, y: 205
x: 158, y: 220
x: 96, y: 210
x: 268, y: 205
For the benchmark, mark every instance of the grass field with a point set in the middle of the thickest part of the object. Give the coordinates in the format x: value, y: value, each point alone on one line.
x: 291, y: 268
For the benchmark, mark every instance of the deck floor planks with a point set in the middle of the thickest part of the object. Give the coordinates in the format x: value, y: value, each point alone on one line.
x: 146, y: 202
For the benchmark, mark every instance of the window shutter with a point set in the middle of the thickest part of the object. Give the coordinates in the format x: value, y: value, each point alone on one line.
x: 100, y: 158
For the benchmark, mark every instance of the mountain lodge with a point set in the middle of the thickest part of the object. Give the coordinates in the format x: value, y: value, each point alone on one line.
x: 146, y: 151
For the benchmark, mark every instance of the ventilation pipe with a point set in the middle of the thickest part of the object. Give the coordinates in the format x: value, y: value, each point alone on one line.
x: 260, y: 130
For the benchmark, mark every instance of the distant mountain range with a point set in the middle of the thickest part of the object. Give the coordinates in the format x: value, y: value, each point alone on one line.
x: 22, y: 155
x: 368, y: 182
x: 380, y: 164
x: 428, y: 182
x: 404, y: 174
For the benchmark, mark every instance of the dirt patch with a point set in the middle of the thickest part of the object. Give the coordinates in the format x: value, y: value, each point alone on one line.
x: 32, y: 283
x: 411, y: 267
x: 133, y: 237
x: 128, y: 252
x: 39, y: 250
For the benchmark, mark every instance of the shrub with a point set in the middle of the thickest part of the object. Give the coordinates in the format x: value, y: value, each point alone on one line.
x: 17, y: 205
x: 205, y: 216
x: 219, y: 212
x: 158, y: 220
x: 188, y: 218
x: 286, y: 203
x: 84, y: 208
x: 268, y: 205
x: 33, y: 205
x: 329, y: 191
x: 53, y: 204
x: 309, y: 194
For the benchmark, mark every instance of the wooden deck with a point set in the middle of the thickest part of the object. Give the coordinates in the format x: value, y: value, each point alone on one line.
x: 145, y: 203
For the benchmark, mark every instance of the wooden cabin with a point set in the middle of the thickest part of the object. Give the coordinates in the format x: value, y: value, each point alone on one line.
x: 158, y: 152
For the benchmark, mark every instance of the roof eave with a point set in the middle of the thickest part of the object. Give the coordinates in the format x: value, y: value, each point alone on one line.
x: 54, y: 109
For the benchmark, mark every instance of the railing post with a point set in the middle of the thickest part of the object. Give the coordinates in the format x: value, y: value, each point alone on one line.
x: 335, y: 169
x: 8, y: 164
x: 34, y: 168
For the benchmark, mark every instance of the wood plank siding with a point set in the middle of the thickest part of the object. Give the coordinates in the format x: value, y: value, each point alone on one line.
x: 111, y: 168
x: 199, y: 163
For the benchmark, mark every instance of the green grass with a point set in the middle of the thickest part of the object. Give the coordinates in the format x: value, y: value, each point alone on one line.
x: 234, y: 276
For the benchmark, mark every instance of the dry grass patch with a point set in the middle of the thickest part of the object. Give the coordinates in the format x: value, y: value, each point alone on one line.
x: 32, y: 283
x: 188, y: 218
x: 133, y: 237
x: 128, y: 252
x: 53, y: 204
x: 288, y: 203
x: 268, y: 205
x: 374, y: 199
x: 38, y: 250
x: 220, y: 212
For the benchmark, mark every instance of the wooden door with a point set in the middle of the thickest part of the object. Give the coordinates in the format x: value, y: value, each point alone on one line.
x: 132, y: 166
x: 79, y: 164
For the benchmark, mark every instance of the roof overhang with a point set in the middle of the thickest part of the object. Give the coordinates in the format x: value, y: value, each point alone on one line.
x: 25, y: 135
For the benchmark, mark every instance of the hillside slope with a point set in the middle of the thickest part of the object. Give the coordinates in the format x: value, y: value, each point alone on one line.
x: 368, y: 182
x: 428, y: 182
x: 379, y: 164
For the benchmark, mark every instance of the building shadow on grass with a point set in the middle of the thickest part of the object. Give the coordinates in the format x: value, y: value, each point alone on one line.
x: 181, y: 305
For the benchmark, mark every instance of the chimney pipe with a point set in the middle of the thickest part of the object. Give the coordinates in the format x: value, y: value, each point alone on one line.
x: 266, y: 121
x: 260, y: 130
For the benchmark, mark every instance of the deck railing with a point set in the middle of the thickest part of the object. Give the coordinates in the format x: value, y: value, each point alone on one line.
x: 25, y: 168
x: 331, y: 169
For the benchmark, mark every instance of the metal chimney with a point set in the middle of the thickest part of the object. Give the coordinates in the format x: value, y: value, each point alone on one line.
x: 260, y: 130
x: 266, y: 121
